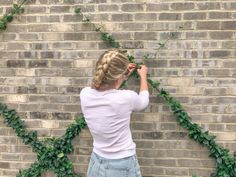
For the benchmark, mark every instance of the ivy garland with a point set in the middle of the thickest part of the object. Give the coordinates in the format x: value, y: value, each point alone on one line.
x: 51, y: 153
x: 8, y: 17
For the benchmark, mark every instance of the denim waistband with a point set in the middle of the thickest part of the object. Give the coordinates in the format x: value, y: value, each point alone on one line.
x: 102, y: 160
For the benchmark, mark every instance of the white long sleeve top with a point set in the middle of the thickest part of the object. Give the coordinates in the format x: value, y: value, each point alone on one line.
x: 107, y: 114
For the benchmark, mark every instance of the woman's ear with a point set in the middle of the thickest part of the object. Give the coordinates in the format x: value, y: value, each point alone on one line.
x: 118, y: 82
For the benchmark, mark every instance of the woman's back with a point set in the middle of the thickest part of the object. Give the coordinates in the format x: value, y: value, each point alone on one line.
x: 107, y: 114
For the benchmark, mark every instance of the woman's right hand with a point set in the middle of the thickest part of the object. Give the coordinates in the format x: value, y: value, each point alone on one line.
x: 143, y: 71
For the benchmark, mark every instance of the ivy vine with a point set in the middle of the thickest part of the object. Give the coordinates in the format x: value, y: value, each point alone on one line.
x: 51, y: 152
x: 16, y: 9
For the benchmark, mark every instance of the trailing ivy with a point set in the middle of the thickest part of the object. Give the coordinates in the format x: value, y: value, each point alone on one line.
x: 51, y: 152
x: 225, y: 163
x: 9, y: 16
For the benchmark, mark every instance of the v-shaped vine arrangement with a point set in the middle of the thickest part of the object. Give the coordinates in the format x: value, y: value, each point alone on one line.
x: 51, y: 153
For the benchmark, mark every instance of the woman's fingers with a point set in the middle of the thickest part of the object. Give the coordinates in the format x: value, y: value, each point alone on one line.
x: 131, y: 66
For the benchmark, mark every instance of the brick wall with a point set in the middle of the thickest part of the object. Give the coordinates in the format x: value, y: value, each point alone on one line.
x: 47, y: 56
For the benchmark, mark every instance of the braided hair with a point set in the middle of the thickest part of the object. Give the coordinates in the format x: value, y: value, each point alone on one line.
x: 109, y: 67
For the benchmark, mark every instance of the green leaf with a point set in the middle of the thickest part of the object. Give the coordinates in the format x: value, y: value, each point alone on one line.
x: 78, y: 10
x: 3, y: 26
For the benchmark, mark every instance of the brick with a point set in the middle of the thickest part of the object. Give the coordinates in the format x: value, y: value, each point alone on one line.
x: 179, y: 81
x: 206, y: 63
x: 73, y: 36
x: 99, y: 17
x: 28, y: 55
x: 54, y: 36
x: 157, y: 7
x: 60, y: 9
x: 62, y: 116
x: 71, y: 108
x: 145, y: 35
x: 83, y: 63
x: 211, y: 25
x: 145, y: 17
x: 220, y: 15
x: 182, y: 6
x: 39, y: 46
x: 36, y: 10
x: 169, y: 16
x: 19, y: 46
x: 4, y: 165
x: 122, y: 17
x: 180, y: 63
x: 38, y: 98
x: 228, y: 25
x: 75, y: 90
x: 202, y: 172
x: 221, y: 35
x: 8, y: 72
x: 218, y: 72
x: 16, y: 98
x: 38, y: 64
x: 108, y: 7
x: 59, y: 81
x: 48, y: 72
x: 229, y: 5
x: 222, y: 100
x: 230, y: 128
x: 175, y: 172
x: 77, y: 73
x: 26, y: 89
x: 50, y: 19
x: 176, y: 135
x: 157, y: 63
x: 219, y: 54
x: 29, y: 107
x: 132, y: 7
x: 28, y: 36
x: 229, y: 64
x: 40, y: 28
x: 16, y: 63
x: 194, y: 16
x: 133, y: 45
x: 60, y: 99
x: 3, y: 2
x: 203, y: 100
x: 121, y: 35
x: 50, y: 107
x: 39, y: 115
x: 229, y: 44
x: 86, y: 45
x: 208, y: 5
x: 132, y: 26
x: 59, y: 63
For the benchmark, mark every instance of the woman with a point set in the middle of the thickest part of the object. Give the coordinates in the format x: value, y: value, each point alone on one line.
x: 107, y: 112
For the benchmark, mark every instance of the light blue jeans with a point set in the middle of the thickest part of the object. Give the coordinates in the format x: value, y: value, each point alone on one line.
x: 102, y: 167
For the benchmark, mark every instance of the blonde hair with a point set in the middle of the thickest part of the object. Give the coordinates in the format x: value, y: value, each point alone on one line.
x: 109, y: 67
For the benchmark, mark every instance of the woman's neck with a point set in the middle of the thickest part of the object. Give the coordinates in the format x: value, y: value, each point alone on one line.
x: 106, y: 87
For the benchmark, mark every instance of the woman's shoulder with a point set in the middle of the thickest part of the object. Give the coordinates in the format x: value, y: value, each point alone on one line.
x: 84, y: 90
x: 128, y: 93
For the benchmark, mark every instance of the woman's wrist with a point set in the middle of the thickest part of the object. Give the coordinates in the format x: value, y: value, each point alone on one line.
x: 143, y: 77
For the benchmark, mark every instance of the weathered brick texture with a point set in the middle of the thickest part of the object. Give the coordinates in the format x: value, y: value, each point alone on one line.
x: 47, y: 55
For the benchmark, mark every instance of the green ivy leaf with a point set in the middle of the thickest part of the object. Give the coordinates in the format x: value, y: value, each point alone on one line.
x: 78, y: 10
x: 60, y: 155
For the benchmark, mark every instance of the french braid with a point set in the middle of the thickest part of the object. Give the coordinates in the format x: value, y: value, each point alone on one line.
x: 109, y: 67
